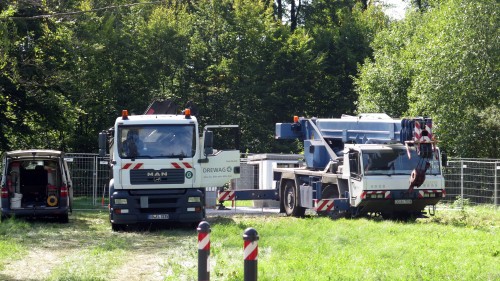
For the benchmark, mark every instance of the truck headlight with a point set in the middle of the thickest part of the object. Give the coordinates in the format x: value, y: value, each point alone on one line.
x: 194, y: 199
x: 120, y: 201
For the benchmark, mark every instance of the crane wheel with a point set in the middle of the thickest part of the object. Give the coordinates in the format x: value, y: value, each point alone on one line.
x: 291, y: 201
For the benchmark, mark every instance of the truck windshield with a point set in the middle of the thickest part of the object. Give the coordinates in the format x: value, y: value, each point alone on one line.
x: 395, y: 161
x: 156, y: 141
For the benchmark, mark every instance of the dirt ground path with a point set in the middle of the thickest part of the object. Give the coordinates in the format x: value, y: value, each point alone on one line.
x: 142, y: 267
x: 40, y: 262
x: 87, y: 248
x: 36, y: 265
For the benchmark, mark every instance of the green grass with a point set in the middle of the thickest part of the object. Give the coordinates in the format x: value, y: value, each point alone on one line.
x: 90, y: 264
x: 322, y: 249
x: 460, y: 245
x: 238, y: 203
x: 11, y: 248
x: 86, y: 203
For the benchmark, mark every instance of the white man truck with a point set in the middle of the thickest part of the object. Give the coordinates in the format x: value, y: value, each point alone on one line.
x: 161, y: 167
x: 369, y: 164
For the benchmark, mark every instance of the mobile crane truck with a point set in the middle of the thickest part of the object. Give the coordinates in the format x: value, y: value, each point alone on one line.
x: 161, y: 167
x: 358, y: 165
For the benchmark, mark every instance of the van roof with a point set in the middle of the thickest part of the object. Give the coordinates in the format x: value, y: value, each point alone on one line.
x: 34, y: 153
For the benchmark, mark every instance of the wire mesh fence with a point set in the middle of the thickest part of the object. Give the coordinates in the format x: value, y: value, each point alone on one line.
x: 472, y: 181
x: 467, y: 181
x: 90, y: 176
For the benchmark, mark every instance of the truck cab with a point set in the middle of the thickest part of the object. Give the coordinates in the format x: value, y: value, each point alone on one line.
x: 377, y: 176
x: 160, y: 168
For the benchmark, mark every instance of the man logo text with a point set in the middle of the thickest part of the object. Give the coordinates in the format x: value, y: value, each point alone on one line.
x: 157, y: 174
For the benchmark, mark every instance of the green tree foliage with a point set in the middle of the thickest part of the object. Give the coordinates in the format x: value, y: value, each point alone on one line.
x: 106, y: 77
x: 34, y: 105
x: 68, y: 68
x: 443, y: 63
x: 384, y: 80
x: 342, y: 32
x: 248, y: 69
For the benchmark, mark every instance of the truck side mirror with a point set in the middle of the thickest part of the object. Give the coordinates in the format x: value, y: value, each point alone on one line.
x: 444, y: 159
x: 209, y: 142
x: 103, y: 138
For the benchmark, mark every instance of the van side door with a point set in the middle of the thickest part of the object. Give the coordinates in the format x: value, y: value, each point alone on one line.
x: 69, y: 183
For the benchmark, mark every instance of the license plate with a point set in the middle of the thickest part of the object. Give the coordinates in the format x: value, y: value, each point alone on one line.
x: 402, y: 201
x: 159, y: 217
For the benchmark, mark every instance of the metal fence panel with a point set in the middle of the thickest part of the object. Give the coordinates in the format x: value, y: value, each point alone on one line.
x: 90, y: 176
x: 474, y: 181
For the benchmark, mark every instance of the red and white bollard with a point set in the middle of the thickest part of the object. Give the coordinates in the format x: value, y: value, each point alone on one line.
x: 203, y: 251
x: 250, y: 253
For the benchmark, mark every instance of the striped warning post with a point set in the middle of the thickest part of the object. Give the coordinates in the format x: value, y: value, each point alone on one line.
x: 203, y: 251
x: 227, y: 195
x: 250, y: 252
x: 204, y: 241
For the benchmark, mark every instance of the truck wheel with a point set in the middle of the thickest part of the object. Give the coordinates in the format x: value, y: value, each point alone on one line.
x: 64, y: 218
x: 400, y: 216
x: 290, y: 201
x: 118, y: 227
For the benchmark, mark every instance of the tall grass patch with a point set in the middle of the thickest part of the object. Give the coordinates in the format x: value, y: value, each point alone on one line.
x: 322, y: 249
x: 10, y: 247
x: 462, y: 245
x: 95, y: 263
x: 10, y: 250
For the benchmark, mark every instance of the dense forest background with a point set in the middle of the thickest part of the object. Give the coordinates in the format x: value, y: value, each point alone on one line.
x: 68, y: 67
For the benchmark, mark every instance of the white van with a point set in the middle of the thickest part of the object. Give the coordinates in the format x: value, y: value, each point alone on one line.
x: 35, y: 183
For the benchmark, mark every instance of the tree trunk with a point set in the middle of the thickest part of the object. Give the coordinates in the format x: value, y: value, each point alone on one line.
x: 365, y: 4
x: 418, y: 4
x: 294, y: 14
x: 279, y: 10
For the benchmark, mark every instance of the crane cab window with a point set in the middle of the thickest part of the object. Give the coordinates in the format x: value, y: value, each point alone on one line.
x: 354, y: 164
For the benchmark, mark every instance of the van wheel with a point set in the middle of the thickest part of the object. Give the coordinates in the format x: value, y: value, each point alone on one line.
x: 64, y: 218
x: 290, y: 201
x: 118, y: 227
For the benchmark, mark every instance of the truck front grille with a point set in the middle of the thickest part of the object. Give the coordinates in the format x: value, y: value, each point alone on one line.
x: 164, y: 176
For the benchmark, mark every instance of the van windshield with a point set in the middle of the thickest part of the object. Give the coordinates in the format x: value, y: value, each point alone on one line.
x: 156, y: 141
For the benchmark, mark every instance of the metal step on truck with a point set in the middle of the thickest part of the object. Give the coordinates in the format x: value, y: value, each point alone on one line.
x: 160, y: 166
x: 369, y: 164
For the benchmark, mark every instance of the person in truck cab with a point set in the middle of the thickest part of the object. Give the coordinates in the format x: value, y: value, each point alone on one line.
x: 132, y: 146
